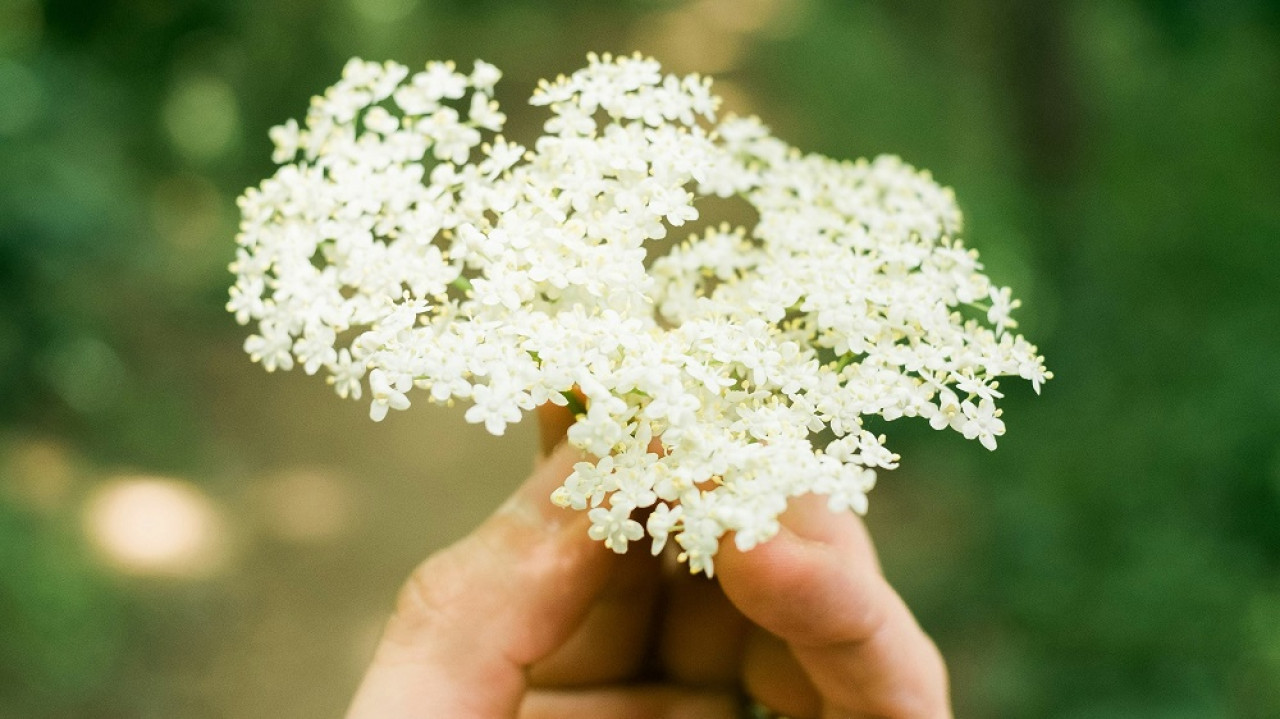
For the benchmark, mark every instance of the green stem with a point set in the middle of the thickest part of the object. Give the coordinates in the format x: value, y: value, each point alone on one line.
x: 575, y: 404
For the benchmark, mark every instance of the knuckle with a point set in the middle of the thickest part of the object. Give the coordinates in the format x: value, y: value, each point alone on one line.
x: 815, y: 618
x: 921, y: 690
x: 428, y: 600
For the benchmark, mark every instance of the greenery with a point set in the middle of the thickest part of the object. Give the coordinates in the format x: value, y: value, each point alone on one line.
x: 1118, y: 162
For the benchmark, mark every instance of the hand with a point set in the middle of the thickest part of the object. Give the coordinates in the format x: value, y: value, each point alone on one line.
x: 527, y: 617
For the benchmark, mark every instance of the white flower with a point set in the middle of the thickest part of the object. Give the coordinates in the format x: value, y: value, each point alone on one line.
x: 700, y: 539
x: 441, y: 80
x: 381, y: 121
x: 287, y: 140
x: 484, y: 76
x: 315, y: 348
x: 405, y: 243
x: 978, y: 386
x: 346, y: 375
x: 614, y: 527
x: 386, y: 394
x: 587, y: 485
x: 494, y: 407
x: 484, y: 113
x: 947, y: 412
x: 452, y: 139
x: 271, y: 348
x: 662, y: 521
x: 246, y: 298
x: 847, y: 490
x: 982, y: 421
x: 1002, y: 304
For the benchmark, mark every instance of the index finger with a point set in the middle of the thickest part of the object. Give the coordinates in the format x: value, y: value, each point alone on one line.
x: 818, y: 587
x: 475, y: 616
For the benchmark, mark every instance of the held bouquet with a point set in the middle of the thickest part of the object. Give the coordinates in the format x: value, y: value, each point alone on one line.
x: 406, y: 249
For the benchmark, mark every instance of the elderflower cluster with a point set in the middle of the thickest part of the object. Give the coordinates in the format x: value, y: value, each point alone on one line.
x: 407, y: 250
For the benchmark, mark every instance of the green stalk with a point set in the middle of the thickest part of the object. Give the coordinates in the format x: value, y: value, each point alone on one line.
x: 575, y: 404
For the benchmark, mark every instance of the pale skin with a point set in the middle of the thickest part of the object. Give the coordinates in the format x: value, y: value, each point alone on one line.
x: 528, y: 618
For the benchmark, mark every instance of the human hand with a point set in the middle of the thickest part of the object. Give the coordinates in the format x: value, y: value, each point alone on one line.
x: 528, y: 618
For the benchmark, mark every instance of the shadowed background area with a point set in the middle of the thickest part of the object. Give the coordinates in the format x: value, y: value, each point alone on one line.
x: 184, y: 535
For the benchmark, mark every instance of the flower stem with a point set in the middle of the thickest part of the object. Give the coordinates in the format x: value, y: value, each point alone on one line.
x: 575, y: 403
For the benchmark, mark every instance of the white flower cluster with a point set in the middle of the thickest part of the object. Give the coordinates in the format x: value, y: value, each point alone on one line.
x: 405, y: 246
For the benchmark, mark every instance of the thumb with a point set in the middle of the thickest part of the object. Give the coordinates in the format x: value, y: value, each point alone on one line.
x: 473, y: 617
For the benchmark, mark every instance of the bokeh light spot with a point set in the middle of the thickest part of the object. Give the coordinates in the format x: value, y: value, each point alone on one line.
x: 742, y: 16
x: 306, y: 506
x: 86, y: 373
x: 156, y: 526
x: 21, y: 26
x: 202, y: 118
x: 711, y: 36
x: 735, y: 99
x: 23, y: 97
x: 36, y: 473
x: 383, y: 11
x: 683, y: 42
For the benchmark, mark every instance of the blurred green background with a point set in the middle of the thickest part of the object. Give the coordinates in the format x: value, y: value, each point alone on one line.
x: 183, y: 535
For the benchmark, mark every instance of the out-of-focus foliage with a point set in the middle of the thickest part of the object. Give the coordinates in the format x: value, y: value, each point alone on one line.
x: 1118, y: 162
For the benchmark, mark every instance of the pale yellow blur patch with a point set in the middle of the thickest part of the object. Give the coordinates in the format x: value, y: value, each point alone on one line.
x: 683, y: 43
x: 305, y: 506
x: 38, y: 474
x: 712, y: 36
x: 21, y: 26
x: 156, y: 526
x: 188, y: 211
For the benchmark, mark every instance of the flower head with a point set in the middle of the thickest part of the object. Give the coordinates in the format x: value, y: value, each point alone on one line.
x: 405, y: 243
